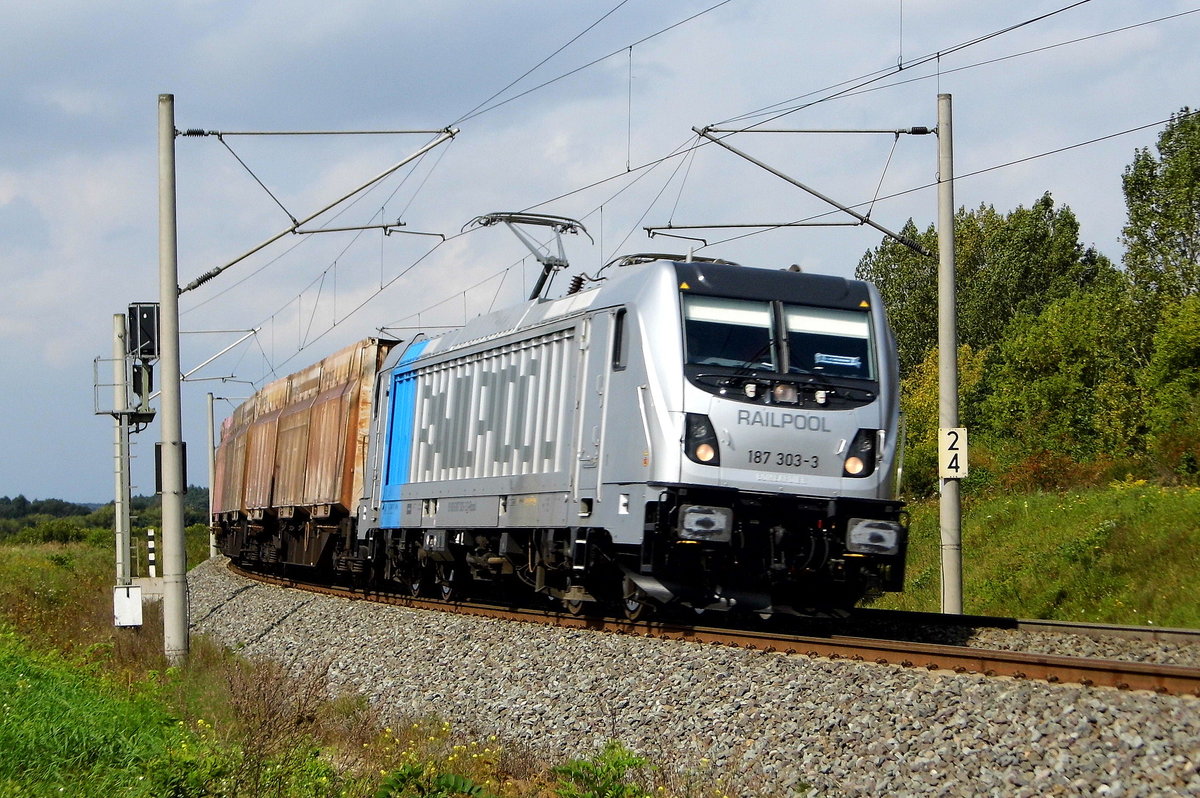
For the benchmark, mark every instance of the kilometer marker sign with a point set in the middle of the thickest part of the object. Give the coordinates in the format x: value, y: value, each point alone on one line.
x: 952, y: 452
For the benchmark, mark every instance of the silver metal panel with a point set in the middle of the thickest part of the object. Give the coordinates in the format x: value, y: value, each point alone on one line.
x: 503, y: 412
x: 410, y: 513
x: 535, y: 510
x: 525, y: 403
x: 469, y: 511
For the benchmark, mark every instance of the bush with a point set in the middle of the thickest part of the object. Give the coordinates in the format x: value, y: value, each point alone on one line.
x: 606, y: 775
x: 56, y: 530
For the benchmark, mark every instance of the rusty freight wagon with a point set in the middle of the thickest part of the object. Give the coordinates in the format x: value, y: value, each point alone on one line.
x: 291, y: 461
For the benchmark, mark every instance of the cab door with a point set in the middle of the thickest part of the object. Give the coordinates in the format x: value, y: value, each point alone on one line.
x: 593, y: 339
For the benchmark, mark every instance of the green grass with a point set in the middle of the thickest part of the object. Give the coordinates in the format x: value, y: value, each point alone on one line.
x: 1127, y: 553
x: 64, y: 731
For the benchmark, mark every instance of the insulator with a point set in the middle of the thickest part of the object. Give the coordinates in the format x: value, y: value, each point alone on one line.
x: 576, y: 284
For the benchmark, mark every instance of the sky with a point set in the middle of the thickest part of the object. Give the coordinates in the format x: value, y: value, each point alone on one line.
x: 581, y: 109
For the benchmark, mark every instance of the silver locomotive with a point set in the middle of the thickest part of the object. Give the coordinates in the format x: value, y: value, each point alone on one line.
x: 686, y: 432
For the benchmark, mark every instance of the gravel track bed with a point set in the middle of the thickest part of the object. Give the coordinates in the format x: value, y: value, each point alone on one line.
x: 769, y: 722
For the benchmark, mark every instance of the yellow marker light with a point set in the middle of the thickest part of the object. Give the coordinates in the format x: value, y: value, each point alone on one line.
x: 705, y: 453
x: 854, y: 465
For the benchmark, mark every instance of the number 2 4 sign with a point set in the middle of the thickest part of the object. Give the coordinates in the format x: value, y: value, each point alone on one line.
x: 952, y: 452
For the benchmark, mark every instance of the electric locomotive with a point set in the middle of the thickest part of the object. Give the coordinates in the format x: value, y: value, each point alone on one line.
x: 684, y: 432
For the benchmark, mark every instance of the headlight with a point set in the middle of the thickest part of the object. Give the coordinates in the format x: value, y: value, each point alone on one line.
x: 700, y: 440
x: 866, y: 536
x: 703, y: 523
x: 785, y: 394
x: 860, y: 457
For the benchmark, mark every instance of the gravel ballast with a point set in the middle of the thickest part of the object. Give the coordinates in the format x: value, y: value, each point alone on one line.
x: 771, y: 723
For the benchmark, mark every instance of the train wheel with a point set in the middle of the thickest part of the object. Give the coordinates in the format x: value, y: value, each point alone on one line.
x: 636, y: 603
x: 575, y: 607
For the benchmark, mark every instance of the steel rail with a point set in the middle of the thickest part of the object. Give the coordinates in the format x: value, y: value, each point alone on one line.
x: 1054, y: 669
x: 1149, y: 634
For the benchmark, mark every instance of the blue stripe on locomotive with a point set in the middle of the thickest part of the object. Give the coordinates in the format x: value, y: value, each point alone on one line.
x: 400, y: 436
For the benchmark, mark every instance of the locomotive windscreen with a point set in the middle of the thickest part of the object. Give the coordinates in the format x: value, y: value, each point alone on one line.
x: 743, y: 334
x: 728, y: 332
x: 828, y: 341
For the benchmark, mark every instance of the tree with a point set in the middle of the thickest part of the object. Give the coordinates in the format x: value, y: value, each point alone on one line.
x: 907, y: 282
x: 919, y: 401
x: 17, y: 507
x: 1162, y: 199
x: 1063, y: 382
x: 1018, y: 264
x: 1172, y: 382
x: 1006, y: 266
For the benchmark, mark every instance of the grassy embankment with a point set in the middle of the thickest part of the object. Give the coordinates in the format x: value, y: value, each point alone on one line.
x: 1127, y: 553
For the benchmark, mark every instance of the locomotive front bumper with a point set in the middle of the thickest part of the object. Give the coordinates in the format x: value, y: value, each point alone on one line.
x: 705, y: 545
x: 702, y: 523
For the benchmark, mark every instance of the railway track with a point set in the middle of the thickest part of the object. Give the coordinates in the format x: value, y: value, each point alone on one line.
x: 1055, y: 669
x: 1095, y: 630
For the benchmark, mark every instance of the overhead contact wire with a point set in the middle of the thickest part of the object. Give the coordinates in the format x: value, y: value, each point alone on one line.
x: 872, y: 77
x: 975, y: 173
x: 592, y: 63
x: 539, y: 64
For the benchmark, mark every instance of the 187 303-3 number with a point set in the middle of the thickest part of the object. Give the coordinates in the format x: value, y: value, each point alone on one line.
x: 785, y: 459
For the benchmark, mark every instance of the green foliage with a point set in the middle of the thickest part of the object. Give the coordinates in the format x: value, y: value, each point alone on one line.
x: 147, y: 510
x: 1014, y: 265
x: 1007, y: 266
x: 606, y: 775
x: 51, y: 593
x: 19, y: 507
x: 907, y: 281
x: 1069, y: 381
x: 54, y: 530
x: 43, y: 528
x: 1162, y: 198
x: 64, y: 731
x: 1173, y: 379
x: 919, y: 402
x: 1064, y: 382
x: 422, y: 781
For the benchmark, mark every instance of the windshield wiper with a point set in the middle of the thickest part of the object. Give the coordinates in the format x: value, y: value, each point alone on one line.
x: 749, y: 365
x: 811, y: 381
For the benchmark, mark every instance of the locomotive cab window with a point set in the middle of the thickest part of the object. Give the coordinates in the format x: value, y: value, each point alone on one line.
x: 728, y: 332
x: 835, y: 343
x: 619, y: 344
